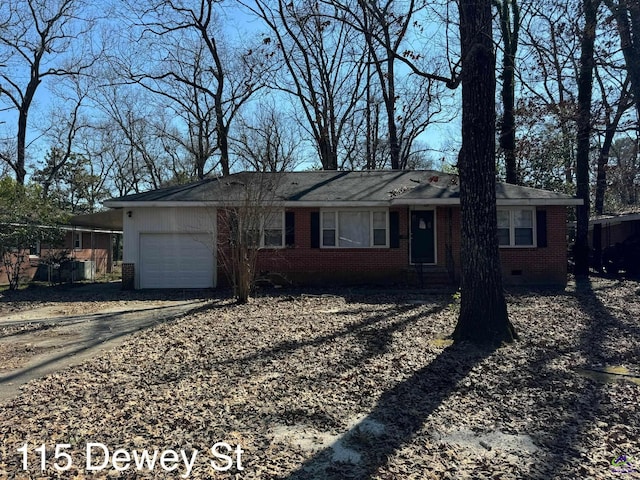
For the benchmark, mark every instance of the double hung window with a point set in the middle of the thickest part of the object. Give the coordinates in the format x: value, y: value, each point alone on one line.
x: 269, y: 232
x: 355, y: 229
x: 516, y: 227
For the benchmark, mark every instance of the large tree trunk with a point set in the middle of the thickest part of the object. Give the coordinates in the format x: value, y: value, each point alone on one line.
x: 483, y: 315
x: 627, y: 15
x: 30, y: 91
x: 585, y: 89
x: 601, y: 175
x: 508, y: 124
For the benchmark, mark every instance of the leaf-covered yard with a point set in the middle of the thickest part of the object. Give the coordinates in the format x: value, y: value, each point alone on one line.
x: 353, y: 386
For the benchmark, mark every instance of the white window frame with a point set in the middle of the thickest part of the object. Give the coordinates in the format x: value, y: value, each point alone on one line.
x: 35, y: 253
x: 336, y: 212
x: 512, y: 228
x: 78, y: 236
x: 263, y: 230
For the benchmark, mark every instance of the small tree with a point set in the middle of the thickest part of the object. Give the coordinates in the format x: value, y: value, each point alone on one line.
x: 25, y: 221
x: 246, y: 223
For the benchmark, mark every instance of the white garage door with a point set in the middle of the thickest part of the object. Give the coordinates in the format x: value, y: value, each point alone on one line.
x: 176, y: 260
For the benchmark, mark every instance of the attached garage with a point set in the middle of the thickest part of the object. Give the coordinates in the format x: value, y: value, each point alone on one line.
x: 176, y: 260
x: 171, y: 247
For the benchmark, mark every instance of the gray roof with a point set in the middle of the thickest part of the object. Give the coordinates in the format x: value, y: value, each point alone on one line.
x: 109, y: 220
x: 322, y: 188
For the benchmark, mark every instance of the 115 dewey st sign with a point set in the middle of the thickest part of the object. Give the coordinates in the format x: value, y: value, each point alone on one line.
x: 221, y: 457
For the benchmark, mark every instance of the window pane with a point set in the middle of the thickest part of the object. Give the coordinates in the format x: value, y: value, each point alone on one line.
x: 503, y: 236
x: 503, y: 219
x: 524, y: 236
x: 380, y: 220
x: 353, y: 229
x: 273, y: 221
x: 329, y: 220
x: 273, y: 238
x: 329, y: 238
x: 379, y: 236
x: 523, y: 219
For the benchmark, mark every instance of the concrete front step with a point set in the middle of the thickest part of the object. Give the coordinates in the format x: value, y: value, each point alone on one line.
x: 424, y: 276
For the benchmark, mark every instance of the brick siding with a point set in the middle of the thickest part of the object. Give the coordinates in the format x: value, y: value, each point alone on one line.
x: 540, y: 266
x: 302, y: 264
x: 128, y: 276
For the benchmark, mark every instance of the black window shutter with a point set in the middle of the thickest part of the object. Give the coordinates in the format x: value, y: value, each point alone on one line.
x: 315, y: 229
x: 394, y: 229
x: 541, y: 226
x: 289, y: 229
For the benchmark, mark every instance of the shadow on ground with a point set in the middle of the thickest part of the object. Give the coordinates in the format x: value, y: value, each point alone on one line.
x: 581, y: 410
x: 398, y: 416
x: 81, y: 338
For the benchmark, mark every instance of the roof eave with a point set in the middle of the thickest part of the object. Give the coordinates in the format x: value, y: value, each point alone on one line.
x: 500, y: 202
x: 343, y: 203
x: 540, y: 201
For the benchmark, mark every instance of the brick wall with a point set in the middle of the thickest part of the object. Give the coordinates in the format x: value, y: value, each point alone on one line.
x: 96, y: 247
x: 302, y: 264
x: 544, y: 266
x: 28, y: 267
x: 324, y: 266
x: 128, y: 276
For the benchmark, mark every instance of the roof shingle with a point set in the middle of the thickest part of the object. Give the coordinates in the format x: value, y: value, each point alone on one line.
x: 399, y: 187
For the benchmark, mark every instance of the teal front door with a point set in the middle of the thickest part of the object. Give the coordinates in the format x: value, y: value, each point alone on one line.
x: 423, y: 236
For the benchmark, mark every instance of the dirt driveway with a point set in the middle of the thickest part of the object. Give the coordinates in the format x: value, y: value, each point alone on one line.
x: 46, y: 331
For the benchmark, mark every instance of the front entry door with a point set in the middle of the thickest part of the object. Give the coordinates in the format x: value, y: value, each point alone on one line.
x: 423, y: 237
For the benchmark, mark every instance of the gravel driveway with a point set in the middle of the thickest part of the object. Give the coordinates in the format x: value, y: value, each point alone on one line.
x: 52, y: 330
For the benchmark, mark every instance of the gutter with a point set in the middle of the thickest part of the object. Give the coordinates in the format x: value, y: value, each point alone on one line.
x: 341, y: 203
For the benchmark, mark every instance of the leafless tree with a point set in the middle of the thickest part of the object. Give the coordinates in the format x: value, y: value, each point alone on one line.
x: 548, y: 77
x: 397, y: 49
x: 194, y: 107
x: 483, y: 316
x: 243, y: 226
x: 42, y: 39
x: 584, y: 126
x: 627, y: 16
x: 509, y: 16
x: 267, y: 141
x: 323, y: 68
x: 134, y: 125
x: 190, y: 63
x: 613, y: 109
x: 66, y: 122
x: 384, y: 27
x: 624, y: 172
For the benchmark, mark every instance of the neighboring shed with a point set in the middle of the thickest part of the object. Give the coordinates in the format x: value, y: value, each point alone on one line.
x: 615, y: 228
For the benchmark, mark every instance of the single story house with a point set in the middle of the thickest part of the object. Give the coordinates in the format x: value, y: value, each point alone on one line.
x: 337, y: 227
x: 87, y: 243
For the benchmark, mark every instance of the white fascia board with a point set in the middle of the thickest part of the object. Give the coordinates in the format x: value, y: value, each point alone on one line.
x: 73, y: 228
x: 616, y: 219
x: 539, y: 202
x: 424, y: 202
x: 335, y: 204
x: 285, y: 204
x: 521, y: 202
x: 68, y: 228
x: 157, y: 204
x: 344, y: 203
